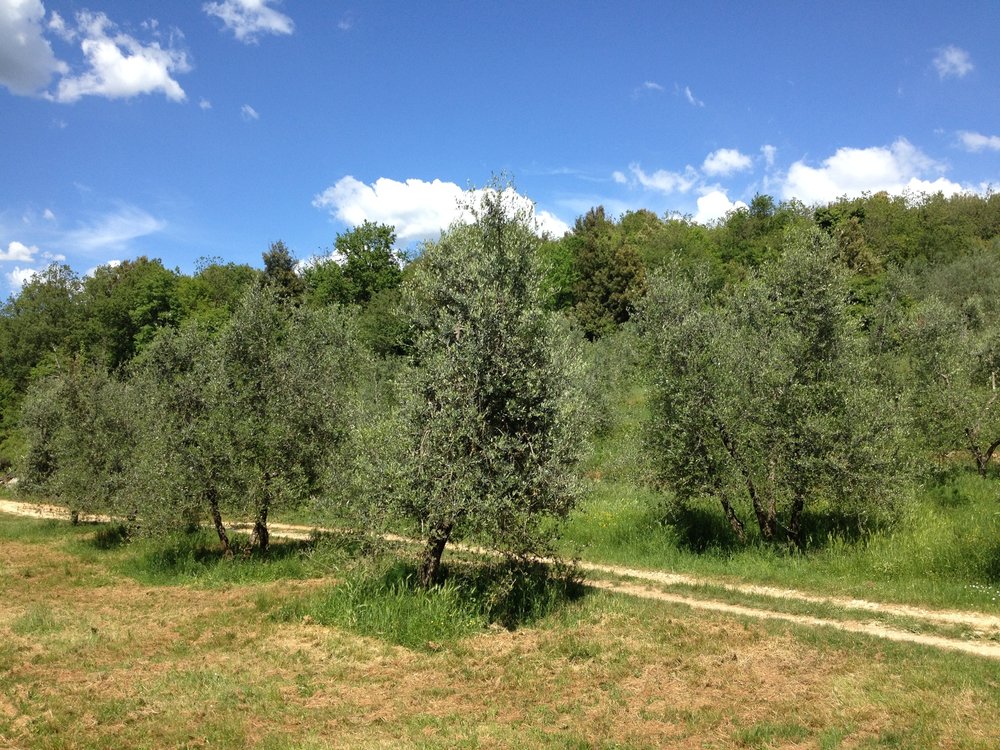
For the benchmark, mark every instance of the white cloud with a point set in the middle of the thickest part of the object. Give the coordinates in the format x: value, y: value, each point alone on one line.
x: 114, y: 231
x: 120, y: 66
x: 20, y: 276
x: 418, y: 210
x: 953, y: 62
x: 692, y: 99
x: 107, y: 264
x: 19, y: 252
x: 248, y: 113
x: 48, y: 215
x: 897, y: 169
x: 769, y: 153
x: 713, y: 205
x: 726, y: 161
x: 978, y: 142
x: 619, y: 177
x: 27, y: 62
x: 57, y: 25
x: 665, y: 181
x: 205, y: 103
x: 248, y: 19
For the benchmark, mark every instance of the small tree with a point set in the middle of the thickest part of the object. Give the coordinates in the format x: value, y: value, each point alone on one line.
x: 79, y: 437
x: 610, y: 278
x: 177, y: 466
x: 955, y: 381
x: 768, y: 398
x: 280, y: 272
x: 278, y: 389
x: 490, y: 406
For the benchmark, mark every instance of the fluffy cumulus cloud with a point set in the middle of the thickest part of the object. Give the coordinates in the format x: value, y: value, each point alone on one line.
x: 713, y: 205
x: 249, y: 19
x: 953, y: 62
x: 978, y: 142
x: 27, y: 62
x: 896, y: 169
x: 18, y: 277
x: 418, y: 210
x: 726, y: 161
x: 17, y: 251
x: 116, y: 64
x: 120, y: 66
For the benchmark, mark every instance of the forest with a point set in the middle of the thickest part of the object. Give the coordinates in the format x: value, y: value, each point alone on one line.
x: 787, y: 379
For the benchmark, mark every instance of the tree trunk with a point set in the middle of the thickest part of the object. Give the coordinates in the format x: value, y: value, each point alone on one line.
x: 220, y: 528
x: 795, y: 522
x: 982, y: 459
x: 734, y: 520
x: 764, y: 521
x: 260, y: 537
x: 430, y: 567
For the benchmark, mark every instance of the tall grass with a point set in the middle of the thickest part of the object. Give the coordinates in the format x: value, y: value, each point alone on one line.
x: 195, y: 558
x: 383, y: 600
x: 943, y: 551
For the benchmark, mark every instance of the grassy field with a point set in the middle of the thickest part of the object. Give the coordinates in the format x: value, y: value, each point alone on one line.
x: 104, y: 645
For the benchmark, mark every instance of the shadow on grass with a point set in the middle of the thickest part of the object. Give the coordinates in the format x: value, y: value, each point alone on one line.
x: 382, y: 599
x: 701, y: 527
x: 196, y: 557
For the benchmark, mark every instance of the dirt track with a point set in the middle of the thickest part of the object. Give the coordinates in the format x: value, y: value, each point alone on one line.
x: 985, y: 625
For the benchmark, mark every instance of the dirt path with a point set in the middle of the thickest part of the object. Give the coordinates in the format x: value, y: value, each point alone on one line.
x: 985, y: 624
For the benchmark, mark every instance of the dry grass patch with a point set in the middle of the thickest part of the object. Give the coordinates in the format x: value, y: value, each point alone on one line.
x: 128, y: 665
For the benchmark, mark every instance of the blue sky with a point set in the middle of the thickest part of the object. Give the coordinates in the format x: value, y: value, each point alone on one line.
x: 187, y: 129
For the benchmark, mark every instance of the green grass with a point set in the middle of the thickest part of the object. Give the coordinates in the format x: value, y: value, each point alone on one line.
x: 96, y: 665
x: 384, y: 600
x: 195, y: 558
x: 934, y: 556
x: 943, y: 550
x: 941, y: 553
x: 38, y: 620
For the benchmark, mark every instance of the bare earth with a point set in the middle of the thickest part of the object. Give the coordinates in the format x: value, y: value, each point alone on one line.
x: 636, y: 583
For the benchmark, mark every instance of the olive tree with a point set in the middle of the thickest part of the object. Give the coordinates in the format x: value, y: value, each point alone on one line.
x: 278, y: 393
x: 490, y: 410
x: 955, y: 366
x: 177, y: 465
x: 79, y: 437
x: 765, y: 397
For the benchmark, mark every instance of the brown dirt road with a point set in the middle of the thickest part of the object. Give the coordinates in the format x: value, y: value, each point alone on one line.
x: 643, y: 584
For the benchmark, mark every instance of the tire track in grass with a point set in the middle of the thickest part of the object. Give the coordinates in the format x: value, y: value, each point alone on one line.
x: 979, y: 620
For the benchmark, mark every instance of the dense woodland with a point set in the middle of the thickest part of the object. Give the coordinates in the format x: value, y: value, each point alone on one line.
x: 802, y: 368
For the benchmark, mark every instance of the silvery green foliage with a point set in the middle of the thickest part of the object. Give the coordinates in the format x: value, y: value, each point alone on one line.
x: 175, y: 472
x: 955, y: 361
x: 245, y: 423
x: 79, y: 437
x: 493, y: 423
x: 766, y: 399
x: 278, y: 385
